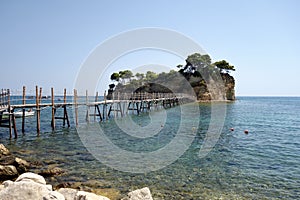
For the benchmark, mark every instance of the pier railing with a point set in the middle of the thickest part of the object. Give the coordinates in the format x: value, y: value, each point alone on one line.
x: 4, y: 99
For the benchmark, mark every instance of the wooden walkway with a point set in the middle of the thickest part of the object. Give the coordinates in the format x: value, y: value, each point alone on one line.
x: 118, y: 105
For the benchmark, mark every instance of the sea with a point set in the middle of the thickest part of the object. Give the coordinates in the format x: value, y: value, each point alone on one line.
x: 263, y: 164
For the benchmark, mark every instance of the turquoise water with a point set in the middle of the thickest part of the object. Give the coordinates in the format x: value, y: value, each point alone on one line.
x: 263, y: 164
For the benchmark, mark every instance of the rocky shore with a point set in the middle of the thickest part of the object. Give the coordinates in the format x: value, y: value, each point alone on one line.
x: 18, y: 182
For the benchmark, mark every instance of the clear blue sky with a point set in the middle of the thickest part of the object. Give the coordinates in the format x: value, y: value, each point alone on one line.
x: 45, y: 42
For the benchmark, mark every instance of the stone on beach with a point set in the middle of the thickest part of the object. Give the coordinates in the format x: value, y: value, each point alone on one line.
x: 33, y: 186
x: 25, y: 188
x: 54, y: 195
x: 82, y: 195
x: 140, y: 194
x: 68, y: 193
x: 31, y: 177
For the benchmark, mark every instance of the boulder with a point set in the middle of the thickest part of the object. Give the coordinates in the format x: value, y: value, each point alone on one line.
x: 68, y: 193
x: 31, y: 177
x: 24, y: 190
x: 8, y: 171
x: 81, y: 195
x: 54, y: 195
x: 21, y: 165
x: 140, y: 194
x: 52, y: 171
x: 3, y: 150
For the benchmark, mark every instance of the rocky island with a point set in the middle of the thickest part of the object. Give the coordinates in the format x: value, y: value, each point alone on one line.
x: 209, y: 81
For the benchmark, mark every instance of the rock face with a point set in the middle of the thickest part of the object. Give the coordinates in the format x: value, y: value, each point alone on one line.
x: 33, y: 186
x: 140, y: 194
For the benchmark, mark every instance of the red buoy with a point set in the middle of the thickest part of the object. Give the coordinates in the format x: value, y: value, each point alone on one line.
x: 232, y: 129
x: 246, y: 131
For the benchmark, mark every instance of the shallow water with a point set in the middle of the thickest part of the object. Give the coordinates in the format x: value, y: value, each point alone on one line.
x: 263, y: 164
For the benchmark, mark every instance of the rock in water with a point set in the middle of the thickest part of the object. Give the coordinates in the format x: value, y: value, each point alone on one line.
x: 140, y: 194
x: 8, y: 171
x: 3, y: 150
x: 22, y: 165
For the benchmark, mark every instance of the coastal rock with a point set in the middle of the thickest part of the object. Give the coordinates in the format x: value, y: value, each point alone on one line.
x: 52, y: 171
x: 32, y: 177
x: 54, y: 195
x: 8, y: 171
x: 21, y: 165
x: 24, y: 190
x: 81, y: 195
x: 3, y: 150
x: 140, y: 194
x: 110, y: 193
x: 68, y: 193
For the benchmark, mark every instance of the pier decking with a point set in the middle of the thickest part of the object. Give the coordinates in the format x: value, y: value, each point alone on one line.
x: 118, y: 105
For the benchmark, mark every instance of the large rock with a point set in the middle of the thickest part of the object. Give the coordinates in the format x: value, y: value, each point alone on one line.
x: 32, y: 177
x: 21, y: 165
x: 140, y: 194
x: 8, y: 171
x: 81, y: 195
x: 68, y: 193
x: 52, y: 171
x: 3, y: 150
x: 24, y: 190
x: 72, y: 194
x: 54, y: 195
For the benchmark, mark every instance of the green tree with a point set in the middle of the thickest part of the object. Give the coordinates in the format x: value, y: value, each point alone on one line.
x: 151, y: 76
x: 115, y: 77
x: 195, y: 65
x: 125, y: 75
x: 140, y: 76
x: 224, y: 66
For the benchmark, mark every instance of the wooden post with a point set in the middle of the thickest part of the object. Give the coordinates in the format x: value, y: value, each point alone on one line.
x: 96, y: 100
x: 105, y: 106
x: 23, y: 114
x: 76, y: 107
x: 40, y: 95
x: 66, y: 117
x: 37, y: 111
x: 9, y: 113
x: 87, y: 106
x: 53, y: 109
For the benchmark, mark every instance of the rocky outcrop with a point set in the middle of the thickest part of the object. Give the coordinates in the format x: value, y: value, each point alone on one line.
x: 11, y: 166
x: 33, y: 186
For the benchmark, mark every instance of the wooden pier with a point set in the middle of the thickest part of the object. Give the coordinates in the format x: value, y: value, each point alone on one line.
x: 119, y: 105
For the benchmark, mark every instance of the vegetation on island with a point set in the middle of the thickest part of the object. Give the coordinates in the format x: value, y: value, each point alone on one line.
x: 199, y: 72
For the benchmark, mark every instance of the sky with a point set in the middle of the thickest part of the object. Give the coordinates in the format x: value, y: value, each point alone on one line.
x: 45, y: 43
